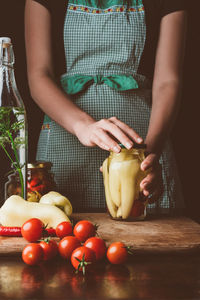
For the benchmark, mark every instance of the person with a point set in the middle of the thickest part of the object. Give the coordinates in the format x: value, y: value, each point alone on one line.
x: 121, y: 84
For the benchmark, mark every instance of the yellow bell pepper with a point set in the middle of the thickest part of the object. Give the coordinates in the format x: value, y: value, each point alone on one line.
x: 55, y: 198
x: 122, y: 177
x: 16, y: 211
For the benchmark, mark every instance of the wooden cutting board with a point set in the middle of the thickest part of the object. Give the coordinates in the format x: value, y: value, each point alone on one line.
x: 155, y: 235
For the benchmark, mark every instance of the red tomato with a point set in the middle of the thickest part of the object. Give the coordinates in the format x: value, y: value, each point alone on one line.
x: 32, y: 230
x: 50, y: 248
x: 67, y: 245
x: 137, y: 209
x: 32, y: 254
x: 81, y: 257
x: 97, y: 245
x: 117, y: 253
x: 84, y: 229
x: 35, y: 182
x: 63, y: 229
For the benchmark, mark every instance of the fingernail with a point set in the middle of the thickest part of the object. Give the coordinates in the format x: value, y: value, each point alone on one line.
x: 129, y: 145
x: 116, y: 149
x: 139, y: 140
x: 144, y: 166
x: 106, y: 147
x: 144, y: 186
x: 146, y: 193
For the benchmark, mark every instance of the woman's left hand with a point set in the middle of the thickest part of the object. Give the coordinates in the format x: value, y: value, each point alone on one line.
x: 152, y: 184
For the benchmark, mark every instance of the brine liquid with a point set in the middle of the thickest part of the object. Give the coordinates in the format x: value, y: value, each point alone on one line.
x: 13, y: 137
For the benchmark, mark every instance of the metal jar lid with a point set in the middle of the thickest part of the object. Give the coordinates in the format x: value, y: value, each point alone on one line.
x: 135, y: 146
x: 40, y: 165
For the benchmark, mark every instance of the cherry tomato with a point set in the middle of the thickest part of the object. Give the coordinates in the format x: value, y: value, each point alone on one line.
x: 84, y: 229
x: 32, y: 254
x: 82, y: 257
x: 63, y: 229
x: 97, y: 245
x: 137, y: 209
x: 117, y: 253
x: 67, y: 245
x: 32, y: 230
x: 49, y: 247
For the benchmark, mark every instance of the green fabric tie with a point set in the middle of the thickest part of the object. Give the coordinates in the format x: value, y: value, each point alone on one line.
x: 77, y: 83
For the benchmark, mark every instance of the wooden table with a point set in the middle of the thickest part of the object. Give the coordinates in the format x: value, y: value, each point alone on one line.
x: 170, y: 273
x: 160, y: 277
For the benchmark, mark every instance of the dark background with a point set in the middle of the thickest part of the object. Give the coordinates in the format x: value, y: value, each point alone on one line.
x: 185, y: 135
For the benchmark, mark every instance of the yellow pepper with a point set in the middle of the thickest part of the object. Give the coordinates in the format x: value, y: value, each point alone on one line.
x: 55, y: 198
x: 122, y: 177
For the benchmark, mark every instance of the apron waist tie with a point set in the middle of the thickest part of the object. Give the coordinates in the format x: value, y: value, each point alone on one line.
x: 77, y: 83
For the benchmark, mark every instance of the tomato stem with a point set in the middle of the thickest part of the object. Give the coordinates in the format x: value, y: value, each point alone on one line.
x: 82, y: 264
x: 129, y: 249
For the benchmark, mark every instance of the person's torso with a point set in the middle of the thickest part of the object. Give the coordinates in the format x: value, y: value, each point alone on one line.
x: 104, y: 37
x: 149, y: 16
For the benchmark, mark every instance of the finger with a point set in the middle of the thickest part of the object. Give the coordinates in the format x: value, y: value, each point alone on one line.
x: 116, y: 132
x: 156, y: 195
x: 150, y: 181
x: 149, y: 189
x: 104, y: 141
x: 107, y: 140
x: 155, y: 191
x: 95, y: 139
x: 128, y: 130
x: 101, y: 169
x: 149, y: 162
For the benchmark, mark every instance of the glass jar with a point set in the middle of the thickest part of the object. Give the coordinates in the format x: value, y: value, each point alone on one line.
x: 40, y: 180
x: 12, y: 186
x: 122, y: 176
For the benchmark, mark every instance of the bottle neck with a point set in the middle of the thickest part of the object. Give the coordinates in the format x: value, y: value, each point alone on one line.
x: 8, y: 88
x: 6, y: 54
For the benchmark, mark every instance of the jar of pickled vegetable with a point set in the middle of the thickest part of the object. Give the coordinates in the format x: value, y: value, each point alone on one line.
x: 40, y: 180
x: 122, y: 176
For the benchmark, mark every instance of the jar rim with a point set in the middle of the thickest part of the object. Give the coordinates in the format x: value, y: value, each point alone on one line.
x: 40, y: 165
x: 135, y: 146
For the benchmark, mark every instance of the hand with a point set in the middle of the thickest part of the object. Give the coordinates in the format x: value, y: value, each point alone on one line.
x: 152, y: 184
x: 106, y: 134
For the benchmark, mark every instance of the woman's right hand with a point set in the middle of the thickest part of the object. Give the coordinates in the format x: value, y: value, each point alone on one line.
x: 107, y: 134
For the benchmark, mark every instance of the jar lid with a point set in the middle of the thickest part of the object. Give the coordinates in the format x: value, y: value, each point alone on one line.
x: 40, y: 165
x: 135, y: 146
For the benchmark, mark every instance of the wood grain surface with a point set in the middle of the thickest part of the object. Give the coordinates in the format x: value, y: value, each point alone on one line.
x: 154, y: 235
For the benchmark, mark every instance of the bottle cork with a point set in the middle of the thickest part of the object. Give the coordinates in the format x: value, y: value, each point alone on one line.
x: 5, y: 42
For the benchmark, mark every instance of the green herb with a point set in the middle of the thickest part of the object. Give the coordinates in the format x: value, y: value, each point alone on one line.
x: 11, y: 123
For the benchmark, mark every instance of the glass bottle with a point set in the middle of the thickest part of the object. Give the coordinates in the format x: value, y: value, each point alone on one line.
x: 122, y: 176
x: 13, y: 121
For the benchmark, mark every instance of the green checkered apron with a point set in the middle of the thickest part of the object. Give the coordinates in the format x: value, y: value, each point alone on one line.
x: 104, y: 41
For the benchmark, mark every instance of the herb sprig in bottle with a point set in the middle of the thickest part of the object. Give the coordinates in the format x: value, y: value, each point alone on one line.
x: 13, y: 122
